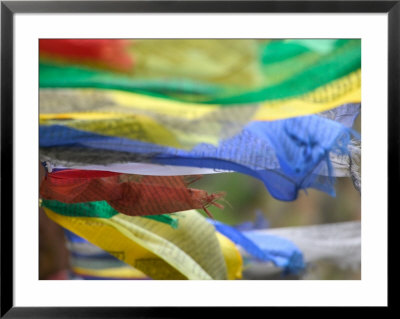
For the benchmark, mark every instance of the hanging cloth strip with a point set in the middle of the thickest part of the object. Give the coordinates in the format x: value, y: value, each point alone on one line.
x: 343, y: 165
x: 192, y: 251
x: 154, y: 121
x: 268, y: 80
x: 282, y: 252
x: 287, y: 155
x: 337, y: 243
x: 133, y: 195
x: 88, y: 261
x: 346, y: 89
x: 345, y: 114
x: 124, y: 168
x: 243, y: 63
x: 91, y: 262
x: 72, y: 100
x: 110, y: 54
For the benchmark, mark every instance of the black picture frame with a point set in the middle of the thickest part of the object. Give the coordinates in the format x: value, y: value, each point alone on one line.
x: 9, y: 8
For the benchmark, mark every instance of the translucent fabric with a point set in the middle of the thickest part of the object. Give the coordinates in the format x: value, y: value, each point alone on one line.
x: 263, y: 247
x: 338, y: 243
x: 194, y: 250
x: 90, y: 262
x: 98, y: 53
x: 155, y: 120
x: 287, y: 155
x: 169, y: 123
x: 71, y: 100
x: 132, y: 195
x: 219, y: 71
x: 277, y: 110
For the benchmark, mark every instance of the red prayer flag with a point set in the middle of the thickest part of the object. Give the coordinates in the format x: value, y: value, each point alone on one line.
x: 134, y: 195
